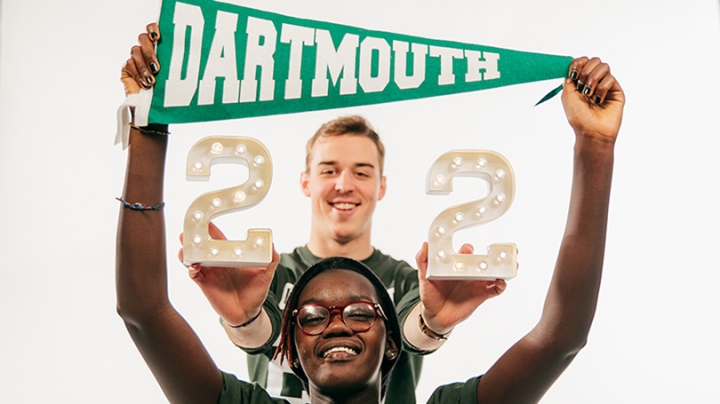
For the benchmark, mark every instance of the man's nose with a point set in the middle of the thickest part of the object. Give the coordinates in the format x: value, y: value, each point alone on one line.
x: 344, y: 182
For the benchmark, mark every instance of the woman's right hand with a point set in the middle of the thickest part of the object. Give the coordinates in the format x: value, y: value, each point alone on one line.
x: 236, y: 294
x: 139, y: 71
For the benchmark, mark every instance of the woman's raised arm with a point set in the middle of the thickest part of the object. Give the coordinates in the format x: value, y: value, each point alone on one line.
x: 172, y: 350
x: 593, y: 102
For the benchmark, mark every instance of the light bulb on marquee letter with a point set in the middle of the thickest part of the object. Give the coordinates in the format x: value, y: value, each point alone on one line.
x: 501, y: 260
x: 198, y: 246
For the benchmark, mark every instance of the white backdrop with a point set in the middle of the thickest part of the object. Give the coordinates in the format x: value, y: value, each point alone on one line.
x: 655, y: 335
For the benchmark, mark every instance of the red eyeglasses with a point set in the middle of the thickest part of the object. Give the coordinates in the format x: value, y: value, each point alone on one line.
x: 360, y: 316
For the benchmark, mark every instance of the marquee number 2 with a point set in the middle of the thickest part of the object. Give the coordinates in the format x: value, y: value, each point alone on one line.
x: 198, y: 246
x: 501, y: 259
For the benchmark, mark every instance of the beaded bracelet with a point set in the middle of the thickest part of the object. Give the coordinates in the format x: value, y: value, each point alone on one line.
x: 140, y: 206
x: 150, y: 130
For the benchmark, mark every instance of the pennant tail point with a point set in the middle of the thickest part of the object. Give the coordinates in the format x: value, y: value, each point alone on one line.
x: 550, y: 95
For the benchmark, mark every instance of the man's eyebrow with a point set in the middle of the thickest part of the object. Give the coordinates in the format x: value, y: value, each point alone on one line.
x: 332, y: 163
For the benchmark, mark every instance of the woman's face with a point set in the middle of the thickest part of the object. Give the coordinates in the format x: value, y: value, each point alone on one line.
x: 339, y: 360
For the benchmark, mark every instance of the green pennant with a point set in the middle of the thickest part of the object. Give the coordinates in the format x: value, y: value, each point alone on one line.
x: 223, y: 61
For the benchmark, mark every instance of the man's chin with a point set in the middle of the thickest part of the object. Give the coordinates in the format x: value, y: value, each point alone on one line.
x: 344, y: 237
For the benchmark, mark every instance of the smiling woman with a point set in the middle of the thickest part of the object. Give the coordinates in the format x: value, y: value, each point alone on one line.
x: 305, y: 351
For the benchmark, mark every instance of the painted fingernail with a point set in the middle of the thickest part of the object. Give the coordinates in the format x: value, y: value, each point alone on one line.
x: 573, y: 74
x: 148, y: 80
x: 154, y: 67
x: 587, y: 90
x: 580, y: 86
x: 597, y: 99
x: 154, y: 35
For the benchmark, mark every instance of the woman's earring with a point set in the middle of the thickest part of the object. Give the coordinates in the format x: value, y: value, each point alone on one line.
x: 390, y: 354
x: 295, y: 363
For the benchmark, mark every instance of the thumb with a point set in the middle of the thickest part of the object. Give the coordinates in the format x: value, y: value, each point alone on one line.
x: 127, y: 77
x: 195, y: 273
x: 215, y: 232
x: 499, y: 286
x: 181, y: 256
x: 421, y: 258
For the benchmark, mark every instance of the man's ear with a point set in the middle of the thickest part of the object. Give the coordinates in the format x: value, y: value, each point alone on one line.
x: 391, y: 350
x: 383, y: 185
x: 305, y: 183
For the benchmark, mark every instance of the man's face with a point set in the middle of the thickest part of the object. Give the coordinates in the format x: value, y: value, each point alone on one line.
x: 344, y: 184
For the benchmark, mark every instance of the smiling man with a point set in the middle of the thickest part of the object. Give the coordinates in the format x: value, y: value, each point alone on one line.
x: 344, y: 180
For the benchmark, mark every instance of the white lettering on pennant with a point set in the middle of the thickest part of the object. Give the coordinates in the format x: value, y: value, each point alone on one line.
x: 368, y: 47
x: 260, y: 55
x: 478, y: 61
x: 401, y: 78
x: 334, y: 61
x: 446, y: 56
x: 221, y: 62
x: 297, y: 37
x: 178, y: 91
x: 376, y: 61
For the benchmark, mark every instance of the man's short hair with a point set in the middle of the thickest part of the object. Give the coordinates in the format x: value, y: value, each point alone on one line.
x: 353, y: 125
